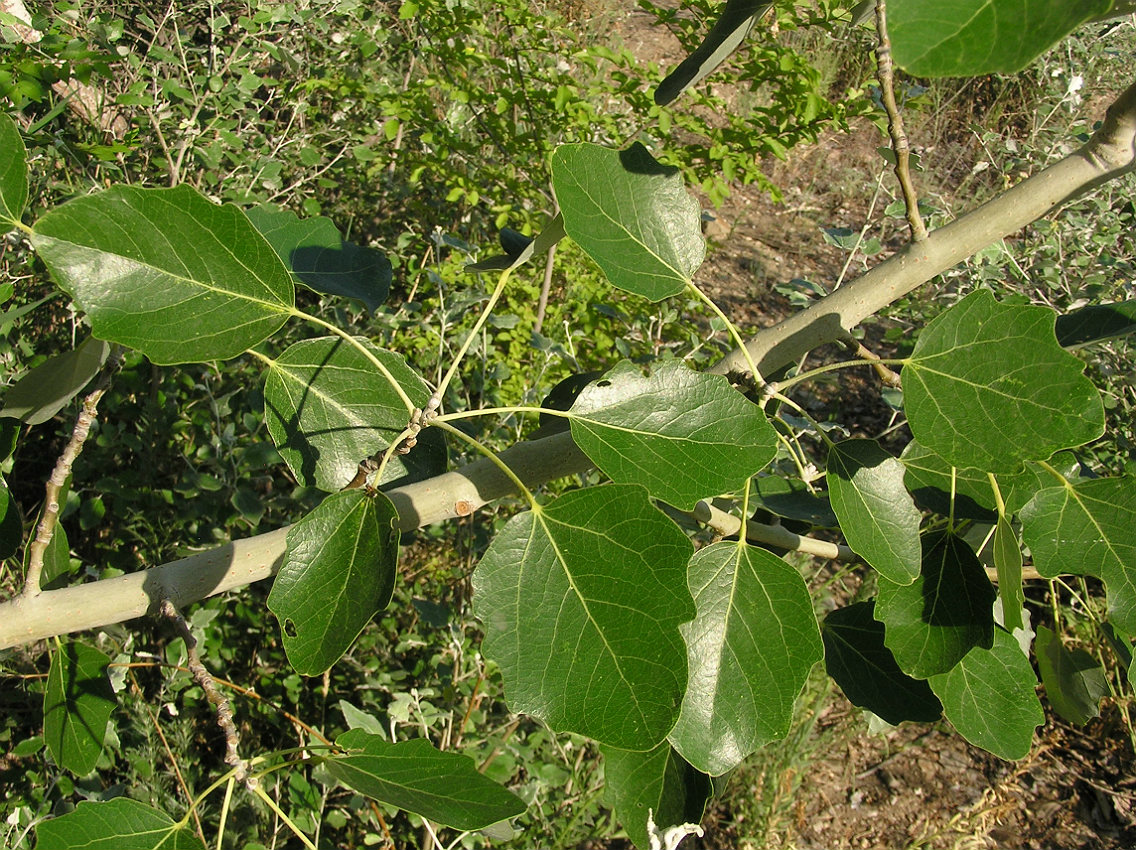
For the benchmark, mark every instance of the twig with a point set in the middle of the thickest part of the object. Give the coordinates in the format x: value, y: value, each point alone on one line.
x: 205, y: 679
x: 58, y: 480
x: 886, y: 375
x: 895, y: 126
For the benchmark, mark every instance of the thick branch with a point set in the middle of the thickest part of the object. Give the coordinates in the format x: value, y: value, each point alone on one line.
x: 1110, y: 153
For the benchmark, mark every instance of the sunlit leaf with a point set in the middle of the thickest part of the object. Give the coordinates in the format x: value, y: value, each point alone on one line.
x: 45, y: 390
x: 1008, y: 563
x: 118, y: 824
x: 76, y: 706
x: 338, y: 572
x: 13, y: 173
x: 167, y: 272
x: 412, y: 775
x: 657, y: 783
x: 684, y: 435
x: 631, y: 215
x: 581, y: 602
x: 749, y: 651
x: 1074, y: 680
x: 990, y: 697
x: 987, y: 386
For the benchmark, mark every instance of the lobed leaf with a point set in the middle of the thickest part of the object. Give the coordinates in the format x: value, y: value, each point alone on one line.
x: 749, y: 649
x: 631, y: 215
x: 13, y: 172
x: 167, y: 272
x: 684, y: 435
x: 581, y: 602
x: 76, y: 706
x: 658, y: 784
x: 118, y: 824
x: 338, y: 572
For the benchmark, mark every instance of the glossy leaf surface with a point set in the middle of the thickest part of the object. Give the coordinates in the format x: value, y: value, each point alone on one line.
x: 990, y: 697
x: 167, y: 272
x: 1088, y: 529
x: 684, y: 435
x: 877, y: 514
x: 659, y: 784
x: 13, y: 173
x: 338, y: 572
x: 1074, y: 680
x: 749, y: 651
x: 413, y: 775
x: 865, y: 669
x: 631, y: 215
x: 935, y: 621
x: 581, y: 602
x: 328, y: 407
x: 987, y: 386
x: 76, y: 706
x: 118, y: 824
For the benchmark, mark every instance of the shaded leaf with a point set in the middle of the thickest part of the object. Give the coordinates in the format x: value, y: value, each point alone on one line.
x: 338, y: 572
x: 11, y: 523
x: 1008, y: 563
x: 327, y: 407
x: 13, y: 172
x: 118, y: 824
x: 516, y: 253
x: 1074, y: 680
x: 791, y: 499
x: 749, y: 651
x: 990, y: 697
x: 45, y: 390
x: 321, y: 259
x: 631, y: 215
x: 76, y: 706
x: 1088, y: 529
x: 1096, y: 322
x: 933, y: 622
x: 658, y: 783
x: 167, y: 272
x: 964, y: 38
x: 412, y: 775
x: 987, y: 386
x: 858, y: 661
x: 877, y: 514
x: 684, y: 435
x: 581, y: 602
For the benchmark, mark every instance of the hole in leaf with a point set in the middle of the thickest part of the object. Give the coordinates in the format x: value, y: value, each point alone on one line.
x: 603, y: 383
x: 290, y: 629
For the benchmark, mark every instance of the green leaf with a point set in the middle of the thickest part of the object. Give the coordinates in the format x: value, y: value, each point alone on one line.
x: 631, y: 215
x: 1088, y: 529
x: 76, y: 707
x: 684, y: 435
x: 45, y: 390
x: 749, y: 651
x: 338, y: 572
x: 965, y: 38
x: 1008, y: 563
x: 581, y: 601
x: 517, y: 254
x: 1074, y: 680
x: 987, y: 386
x: 1096, y: 322
x: 13, y: 172
x: 858, y: 661
x: 56, y: 559
x: 657, y: 784
x: 934, y: 621
x: 877, y: 514
x: 321, y: 259
x: 327, y: 407
x: 791, y: 499
x: 118, y: 824
x: 167, y: 272
x: 990, y: 697
x: 11, y: 523
x: 412, y: 775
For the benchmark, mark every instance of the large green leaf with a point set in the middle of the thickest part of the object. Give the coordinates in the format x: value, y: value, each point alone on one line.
x: 327, y: 407
x: 684, y: 435
x: 858, y: 661
x: 963, y: 38
x: 338, y: 572
x: 43, y: 391
x: 76, y: 706
x: 1074, y: 680
x: 167, y: 272
x: 749, y: 650
x: 877, y: 514
x: 118, y: 824
x: 990, y: 697
x: 987, y: 386
x: 631, y: 215
x: 412, y: 775
x: 13, y: 173
x: 1088, y: 529
x: 933, y: 622
x: 657, y: 784
x: 581, y: 602
x: 321, y: 259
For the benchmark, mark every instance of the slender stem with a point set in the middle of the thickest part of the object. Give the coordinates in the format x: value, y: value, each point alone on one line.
x: 268, y: 801
x: 492, y: 457
x: 498, y: 290
x: 735, y: 334
x: 225, y: 804
x: 832, y: 367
